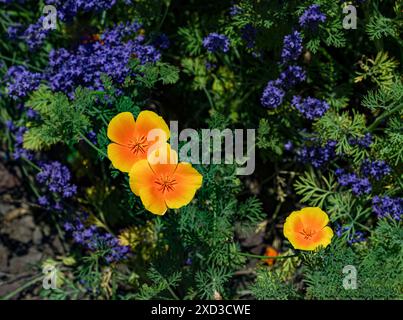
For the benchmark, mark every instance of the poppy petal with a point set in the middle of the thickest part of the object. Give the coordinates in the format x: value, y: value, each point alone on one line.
x: 163, y: 160
x: 188, y: 180
x: 140, y: 176
x: 147, y: 121
x: 122, y: 157
x: 314, y: 217
x: 306, y: 229
x: 152, y: 200
x: 121, y: 128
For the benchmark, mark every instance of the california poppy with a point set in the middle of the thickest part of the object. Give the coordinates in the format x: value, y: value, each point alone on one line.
x: 307, y: 229
x: 131, y: 137
x: 270, y: 252
x: 164, y: 185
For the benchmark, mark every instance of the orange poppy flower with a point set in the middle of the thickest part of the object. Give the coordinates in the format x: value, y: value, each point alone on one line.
x: 307, y: 229
x: 270, y: 252
x: 163, y: 185
x: 130, y: 137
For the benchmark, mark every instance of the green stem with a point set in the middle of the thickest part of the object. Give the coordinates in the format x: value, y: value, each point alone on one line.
x: 209, y: 97
x: 21, y: 62
x: 383, y: 116
x: 22, y: 288
x: 32, y: 164
x: 266, y: 257
x: 93, y: 145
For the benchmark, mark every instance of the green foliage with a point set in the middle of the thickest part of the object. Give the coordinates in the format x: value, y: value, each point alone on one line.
x: 378, y: 264
x: 315, y: 190
x: 61, y: 120
x: 380, y: 70
x: 159, y: 284
x: 269, y: 286
x: 150, y: 74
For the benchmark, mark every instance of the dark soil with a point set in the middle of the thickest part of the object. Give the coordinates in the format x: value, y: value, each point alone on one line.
x: 26, y: 237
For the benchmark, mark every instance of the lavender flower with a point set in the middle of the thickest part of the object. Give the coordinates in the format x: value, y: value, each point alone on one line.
x: 288, y: 146
x: 92, y: 239
x: 318, y: 156
x: 215, y: 42
x: 35, y: 35
x: 234, y: 10
x: 376, y: 169
x: 110, y: 55
x: 19, y: 150
x: 311, y: 108
x: 364, y: 142
x: 66, y: 10
x: 292, y: 47
x: 291, y: 76
x: 57, y: 179
x: 20, y: 81
x: 13, y: 32
x: 359, y: 186
x: 357, y: 236
x: 387, y: 206
x: 272, y: 96
x: 311, y: 17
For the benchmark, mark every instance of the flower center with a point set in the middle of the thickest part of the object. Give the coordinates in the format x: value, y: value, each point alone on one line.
x: 307, y: 234
x: 138, y: 145
x: 166, y: 183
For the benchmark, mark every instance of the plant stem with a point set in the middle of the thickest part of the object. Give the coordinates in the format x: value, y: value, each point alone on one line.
x: 31, y: 164
x: 22, y: 288
x: 93, y: 145
x: 208, y: 97
x: 383, y: 116
x: 21, y: 62
x: 266, y: 257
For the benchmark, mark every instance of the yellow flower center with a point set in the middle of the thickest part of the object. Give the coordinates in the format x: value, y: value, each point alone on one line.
x: 307, y: 234
x: 138, y: 145
x: 166, y: 183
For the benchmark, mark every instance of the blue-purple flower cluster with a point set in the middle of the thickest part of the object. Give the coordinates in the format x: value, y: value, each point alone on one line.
x: 311, y: 17
x: 66, y: 10
x: 359, y: 186
x: 19, y: 150
x: 311, y: 108
x: 375, y: 169
x: 272, y: 96
x: 290, y: 76
x: 357, y: 236
x: 387, y: 207
x: 56, y: 177
x: 292, y: 47
x: 364, y: 142
x: 35, y: 35
x: 92, y: 239
x: 84, y: 66
x: 318, y: 156
x: 235, y: 10
x: 20, y: 81
x: 216, y: 42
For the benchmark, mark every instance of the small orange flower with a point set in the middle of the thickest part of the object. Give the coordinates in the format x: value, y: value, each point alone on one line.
x: 130, y: 137
x: 270, y: 252
x: 164, y: 185
x: 307, y: 229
